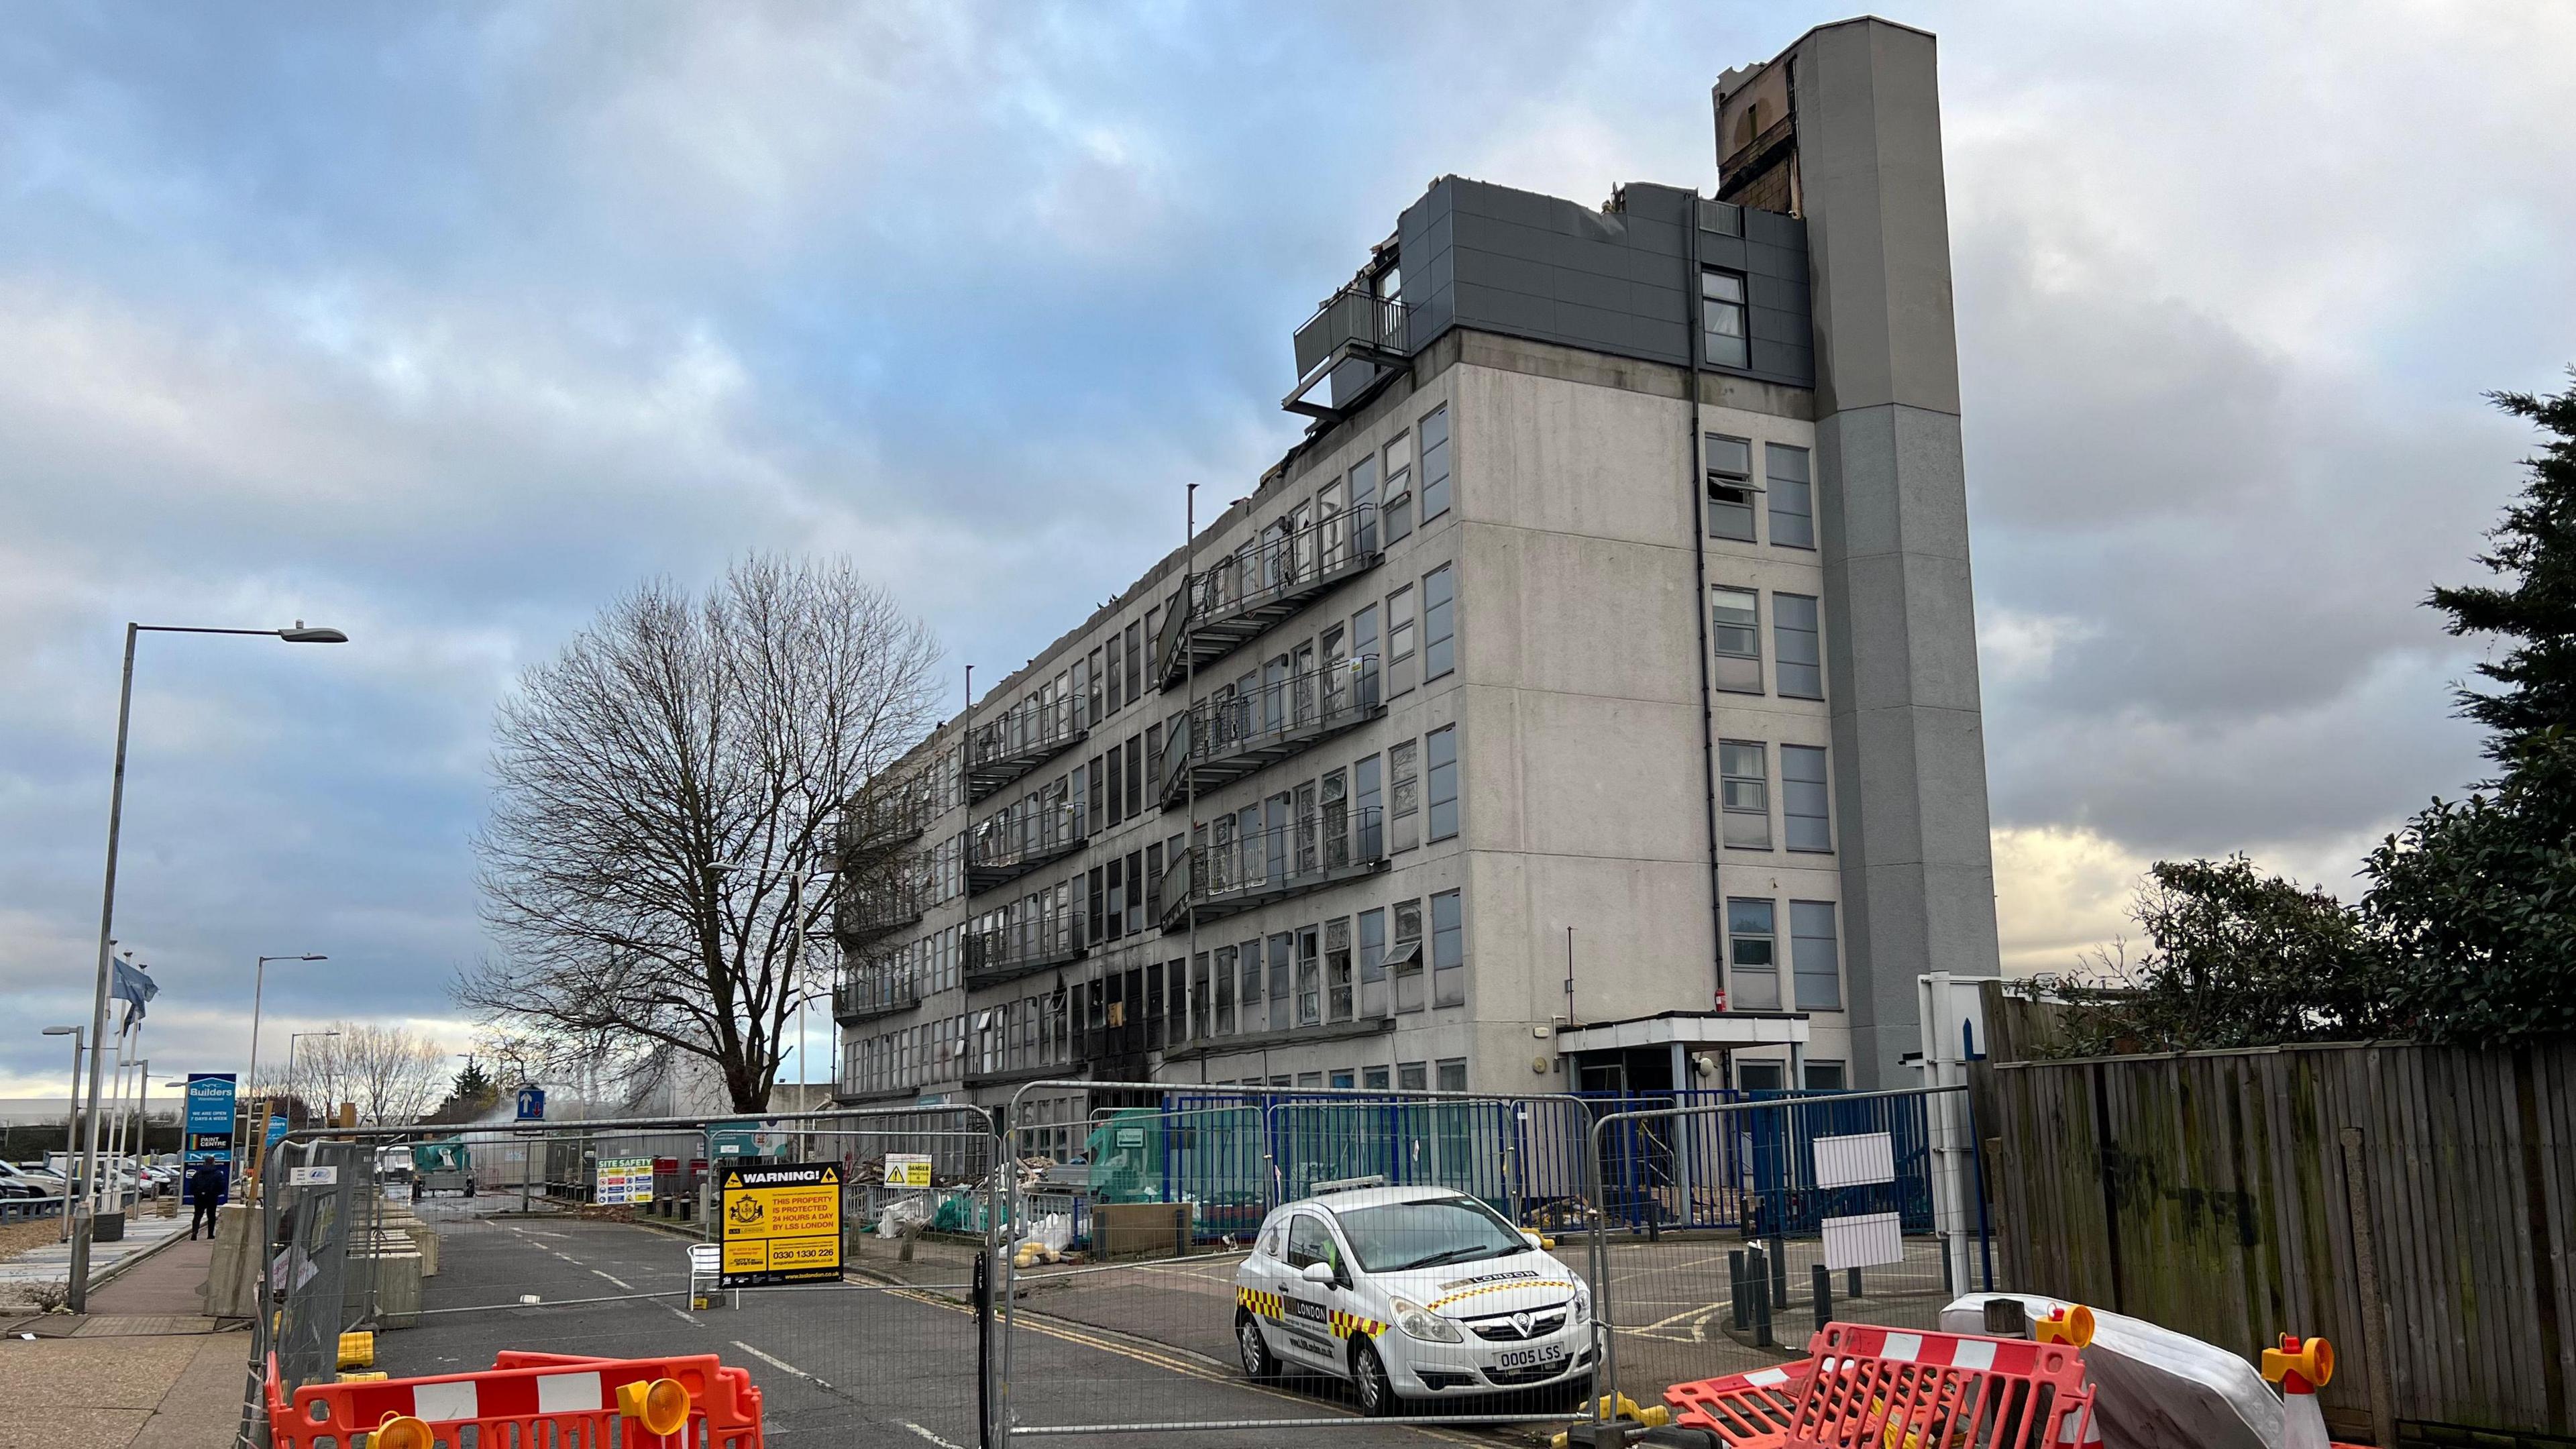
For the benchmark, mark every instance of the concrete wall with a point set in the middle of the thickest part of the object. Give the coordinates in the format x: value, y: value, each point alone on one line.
x: 1892, y: 509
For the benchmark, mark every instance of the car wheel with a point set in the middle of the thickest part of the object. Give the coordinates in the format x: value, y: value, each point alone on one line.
x: 1259, y: 1364
x: 1376, y: 1390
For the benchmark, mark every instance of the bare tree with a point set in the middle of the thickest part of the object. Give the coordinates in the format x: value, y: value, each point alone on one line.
x: 391, y: 1073
x: 666, y: 792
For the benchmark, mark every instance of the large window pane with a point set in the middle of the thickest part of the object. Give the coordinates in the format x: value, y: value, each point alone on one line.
x: 1439, y: 627
x: 1815, y: 956
x: 1722, y: 330
x: 1793, y: 511
x: 1730, y: 487
x: 1800, y: 663
x: 1435, y: 464
x: 1750, y: 938
x: 1448, y: 951
x: 1735, y: 630
x: 1805, y: 815
x: 1744, y: 789
x: 1441, y: 746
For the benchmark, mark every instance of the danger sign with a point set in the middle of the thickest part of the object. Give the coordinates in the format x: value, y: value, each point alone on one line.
x: 782, y: 1223
x: 907, y: 1169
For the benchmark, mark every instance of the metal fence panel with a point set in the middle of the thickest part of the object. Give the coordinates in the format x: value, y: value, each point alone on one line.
x: 1729, y: 1229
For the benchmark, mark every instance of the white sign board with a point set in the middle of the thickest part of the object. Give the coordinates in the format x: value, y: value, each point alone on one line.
x: 1870, y: 1241
x: 1855, y: 1161
x: 626, y: 1180
x: 907, y: 1169
x: 312, y: 1176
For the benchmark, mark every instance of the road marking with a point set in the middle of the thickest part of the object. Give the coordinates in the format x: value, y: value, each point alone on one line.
x: 907, y: 1423
x: 776, y: 1363
x: 613, y: 1278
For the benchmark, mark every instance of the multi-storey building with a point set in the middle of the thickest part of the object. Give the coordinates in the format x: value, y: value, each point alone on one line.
x: 1588, y: 700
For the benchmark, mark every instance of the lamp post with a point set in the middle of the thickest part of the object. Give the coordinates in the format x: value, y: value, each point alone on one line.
x: 71, y: 1115
x: 78, y: 1297
x: 292, y: 1038
x: 250, y: 1079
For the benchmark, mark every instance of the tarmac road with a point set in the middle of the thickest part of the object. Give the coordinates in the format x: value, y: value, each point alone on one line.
x: 838, y: 1364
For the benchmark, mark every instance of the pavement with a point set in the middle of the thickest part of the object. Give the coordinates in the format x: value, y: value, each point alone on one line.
x: 143, y: 1370
x: 145, y: 1232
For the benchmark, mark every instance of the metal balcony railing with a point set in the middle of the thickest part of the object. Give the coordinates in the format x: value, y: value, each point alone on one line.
x: 1261, y: 583
x: 1022, y: 738
x: 1230, y: 736
x: 1235, y: 873
x: 1018, y: 841
x: 872, y: 993
x: 875, y: 825
x: 1355, y: 340
x: 868, y: 910
x: 1022, y: 948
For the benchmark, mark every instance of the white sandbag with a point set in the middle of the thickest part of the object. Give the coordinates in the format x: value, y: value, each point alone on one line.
x: 1052, y: 1232
x: 2154, y: 1388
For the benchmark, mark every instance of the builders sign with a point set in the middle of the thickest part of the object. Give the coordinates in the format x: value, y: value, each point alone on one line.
x: 210, y: 1124
x: 782, y: 1223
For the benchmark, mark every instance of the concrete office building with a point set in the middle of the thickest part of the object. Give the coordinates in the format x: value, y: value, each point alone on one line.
x: 1588, y: 701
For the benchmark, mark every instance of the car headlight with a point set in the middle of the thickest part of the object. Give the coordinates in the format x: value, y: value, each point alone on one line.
x: 1420, y: 1322
x: 1582, y: 1303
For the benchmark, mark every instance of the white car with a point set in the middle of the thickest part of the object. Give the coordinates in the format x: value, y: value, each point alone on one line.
x: 1411, y: 1293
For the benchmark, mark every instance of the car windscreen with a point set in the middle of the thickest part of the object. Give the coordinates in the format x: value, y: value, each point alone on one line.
x: 1405, y: 1235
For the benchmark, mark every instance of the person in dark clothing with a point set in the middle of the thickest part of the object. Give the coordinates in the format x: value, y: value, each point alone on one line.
x: 206, y: 1190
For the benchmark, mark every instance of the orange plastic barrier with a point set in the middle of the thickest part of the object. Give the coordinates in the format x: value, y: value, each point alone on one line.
x: 629, y: 1403
x: 1865, y: 1387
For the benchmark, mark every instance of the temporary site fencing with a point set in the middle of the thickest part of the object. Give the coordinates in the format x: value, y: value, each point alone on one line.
x: 1088, y: 1257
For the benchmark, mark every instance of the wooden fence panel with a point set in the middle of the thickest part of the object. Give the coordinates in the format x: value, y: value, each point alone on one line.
x: 2215, y: 1193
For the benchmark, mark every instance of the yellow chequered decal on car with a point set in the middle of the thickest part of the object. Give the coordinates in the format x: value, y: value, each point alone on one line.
x: 1266, y: 1305
x: 1439, y: 1303
x: 1344, y: 1325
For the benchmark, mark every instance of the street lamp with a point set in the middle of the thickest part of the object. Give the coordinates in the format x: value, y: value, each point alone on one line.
x: 259, y: 982
x: 78, y: 1297
x: 292, y: 1038
x: 71, y: 1119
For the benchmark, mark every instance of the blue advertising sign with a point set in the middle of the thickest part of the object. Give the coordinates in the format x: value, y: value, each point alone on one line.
x: 532, y: 1104
x: 209, y: 1128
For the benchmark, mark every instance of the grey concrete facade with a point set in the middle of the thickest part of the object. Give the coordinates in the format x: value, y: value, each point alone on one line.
x: 1711, y: 739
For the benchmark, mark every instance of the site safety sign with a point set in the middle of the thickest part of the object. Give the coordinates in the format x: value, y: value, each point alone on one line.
x: 907, y: 1169
x: 627, y: 1180
x: 782, y: 1223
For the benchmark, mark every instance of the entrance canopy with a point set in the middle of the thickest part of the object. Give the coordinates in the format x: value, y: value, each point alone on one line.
x: 1654, y: 1053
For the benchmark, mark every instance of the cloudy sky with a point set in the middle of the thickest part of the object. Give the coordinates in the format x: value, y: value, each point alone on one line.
x: 443, y: 324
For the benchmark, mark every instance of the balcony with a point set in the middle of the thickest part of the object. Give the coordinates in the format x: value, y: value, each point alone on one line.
x: 1236, y: 873
x: 869, y: 911
x: 1007, y: 953
x: 1026, y: 736
x: 1262, y: 583
x: 1018, y: 841
x: 1349, y: 348
x: 876, y: 825
x: 1224, y: 739
x: 867, y: 995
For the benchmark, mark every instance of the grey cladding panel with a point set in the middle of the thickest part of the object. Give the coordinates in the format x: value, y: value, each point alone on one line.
x: 1721, y: 251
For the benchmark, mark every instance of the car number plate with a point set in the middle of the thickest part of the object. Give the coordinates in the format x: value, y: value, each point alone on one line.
x: 1529, y: 1357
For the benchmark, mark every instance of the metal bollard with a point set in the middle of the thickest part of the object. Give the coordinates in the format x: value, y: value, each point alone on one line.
x: 1851, y: 1289
x: 1780, y: 1271
x: 1948, y: 1288
x: 1737, y: 1293
x: 1762, y: 1309
x: 1824, y: 1291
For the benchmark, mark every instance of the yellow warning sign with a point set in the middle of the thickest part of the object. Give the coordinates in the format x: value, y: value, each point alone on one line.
x: 782, y: 1223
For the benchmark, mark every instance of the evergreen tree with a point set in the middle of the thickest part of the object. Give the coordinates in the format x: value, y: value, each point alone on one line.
x: 2534, y: 548
x: 473, y: 1084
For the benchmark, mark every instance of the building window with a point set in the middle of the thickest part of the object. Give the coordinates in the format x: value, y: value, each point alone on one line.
x: 1310, y: 979
x: 1730, y: 487
x: 1367, y: 798
x: 1117, y: 674
x: 1093, y: 669
x: 1452, y: 1074
x: 1399, y: 640
x: 1135, y: 776
x: 1364, y: 651
x: 1815, y: 959
x: 1448, y: 951
x: 1397, y: 513
x: 1749, y: 935
x: 1805, y: 817
x: 1735, y: 627
x: 1439, y: 626
x: 1800, y: 663
x: 1404, y: 792
x: 1117, y: 782
x: 1721, y: 318
x: 1744, y: 788
x: 1825, y: 1077
x: 1282, y: 947
x: 1337, y: 969
x: 1793, y: 508
x: 1225, y: 991
x: 1761, y: 1076
x: 1404, y: 962
x: 1373, y: 1078
x: 1441, y: 749
x: 1411, y: 1077
x: 1435, y: 464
